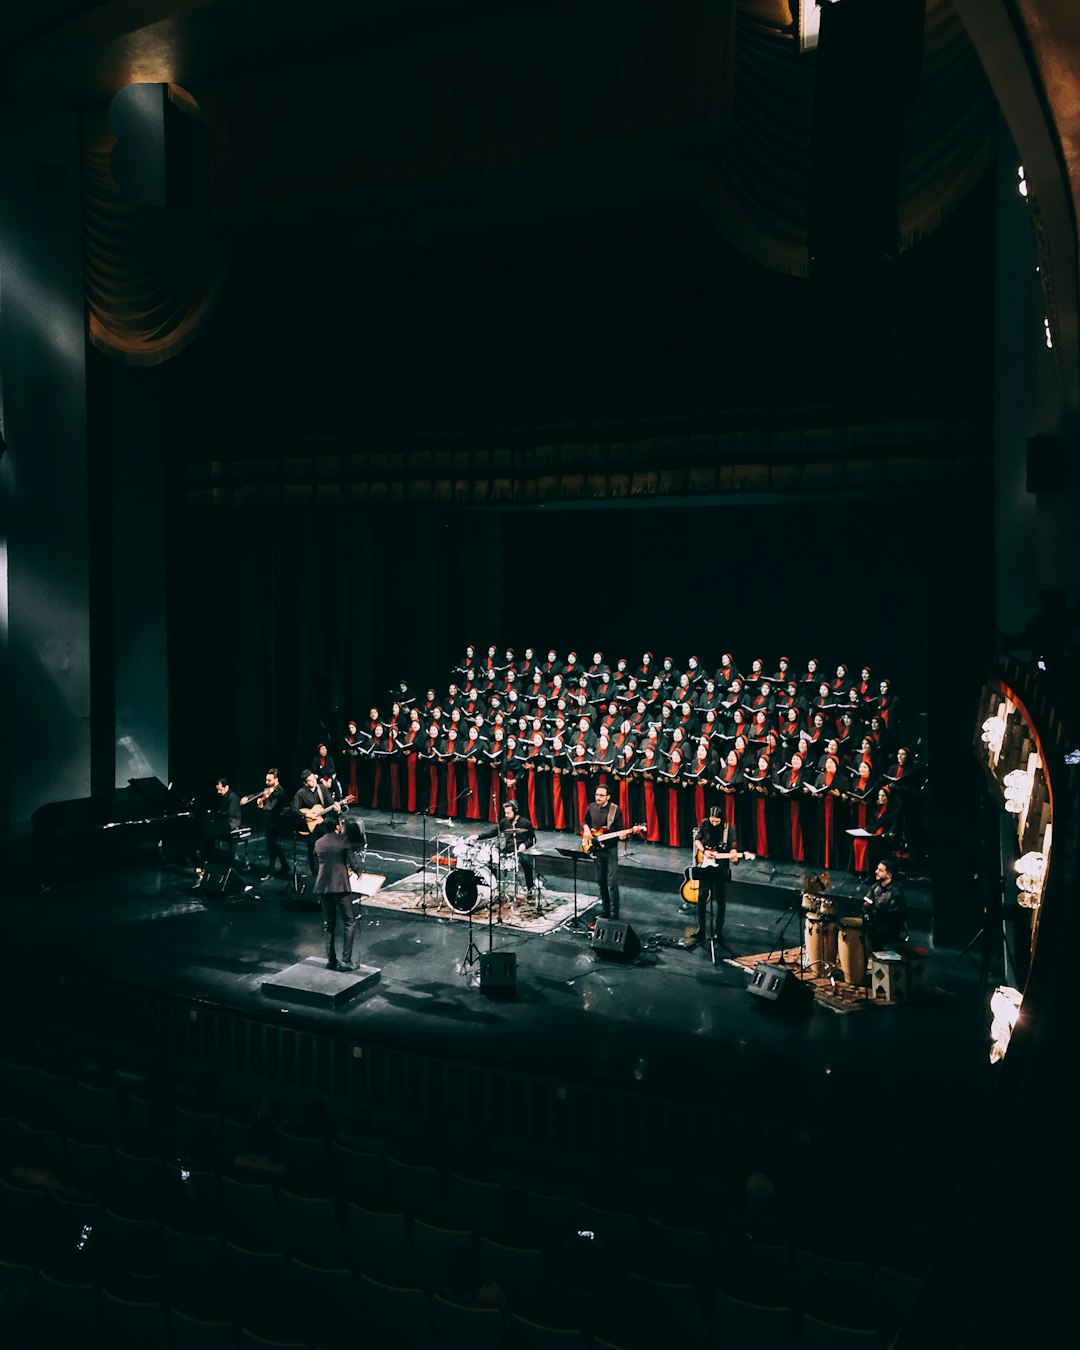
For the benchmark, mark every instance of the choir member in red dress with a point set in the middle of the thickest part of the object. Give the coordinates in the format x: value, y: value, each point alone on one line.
x: 670, y: 796
x: 648, y: 769
x: 579, y: 755
x: 495, y: 755
x: 697, y: 775
x: 727, y: 673
x: 351, y: 747
x: 409, y: 744
x: 429, y: 754
x: 757, y: 784
x: 629, y: 794
x: 471, y: 754
x: 562, y: 811
x: 826, y: 794
x: 448, y: 755
x: 859, y: 796
x: 729, y: 784
x: 898, y: 774
x: 788, y: 787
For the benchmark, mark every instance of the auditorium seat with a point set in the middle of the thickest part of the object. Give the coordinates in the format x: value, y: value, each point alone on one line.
x: 416, y: 1191
x: 821, y: 1335
x: 310, y: 1229
x: 457, y: 1326
x: 398, y: 1313
x: 196, y: 1333
x: 378, y: 1244
x: 520, y: 1272
x: 664, y: 1310
x: 764, y: 1326
x: 137, y: 1323
x: 479, y: 1206
x: 325, y: 1289
x: 433, y: 1248
x: 539, y: 1337
x: 362, y: 1174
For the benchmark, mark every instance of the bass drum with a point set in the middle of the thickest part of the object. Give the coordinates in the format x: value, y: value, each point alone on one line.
x: 462, y: 890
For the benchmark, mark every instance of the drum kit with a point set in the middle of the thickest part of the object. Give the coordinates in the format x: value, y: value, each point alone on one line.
x: 831, y: 941
x: 470, y: 874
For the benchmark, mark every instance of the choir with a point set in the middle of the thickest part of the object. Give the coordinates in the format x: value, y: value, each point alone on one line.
x: 796, y: 762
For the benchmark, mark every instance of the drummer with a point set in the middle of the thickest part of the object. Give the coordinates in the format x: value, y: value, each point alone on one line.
x: 885, y: 909
x: 516, y: 834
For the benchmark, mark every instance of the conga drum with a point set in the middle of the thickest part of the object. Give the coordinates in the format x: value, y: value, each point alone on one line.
x: 820, y: 942
x: 852, y: 945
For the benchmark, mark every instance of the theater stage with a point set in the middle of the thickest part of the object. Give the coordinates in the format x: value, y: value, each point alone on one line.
x: 671, y: 1021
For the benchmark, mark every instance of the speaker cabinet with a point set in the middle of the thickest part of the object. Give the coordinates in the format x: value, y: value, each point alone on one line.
x: 498, y: 974
x: 778, y: 987
x: 615, y: 940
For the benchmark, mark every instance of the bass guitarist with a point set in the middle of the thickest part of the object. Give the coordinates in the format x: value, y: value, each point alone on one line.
x: 603, y: 817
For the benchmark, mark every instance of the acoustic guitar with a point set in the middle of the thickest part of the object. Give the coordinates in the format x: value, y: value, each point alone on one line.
x: 313, y: 814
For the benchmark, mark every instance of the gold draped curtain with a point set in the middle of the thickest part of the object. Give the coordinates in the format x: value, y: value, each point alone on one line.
x: 152, y: 274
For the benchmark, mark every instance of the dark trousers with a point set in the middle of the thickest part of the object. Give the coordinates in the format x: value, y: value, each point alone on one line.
x: 710, y: 891
x: 274, y: 855
x: 345, y: 907
x: 607, y: 879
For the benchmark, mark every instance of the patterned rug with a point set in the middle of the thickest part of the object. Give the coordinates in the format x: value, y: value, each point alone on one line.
x: 515, y: 911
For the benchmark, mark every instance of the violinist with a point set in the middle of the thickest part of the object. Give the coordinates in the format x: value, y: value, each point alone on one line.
x: 271, y: 803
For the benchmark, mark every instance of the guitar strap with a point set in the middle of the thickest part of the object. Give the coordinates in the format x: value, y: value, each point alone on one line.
x: 612, y: 808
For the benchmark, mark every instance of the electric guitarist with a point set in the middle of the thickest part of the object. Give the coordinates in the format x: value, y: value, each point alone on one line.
x: 717, y: 849
x: 603, y: 821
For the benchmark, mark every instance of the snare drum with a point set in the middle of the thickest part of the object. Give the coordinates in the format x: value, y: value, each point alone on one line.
x: 852, y: 950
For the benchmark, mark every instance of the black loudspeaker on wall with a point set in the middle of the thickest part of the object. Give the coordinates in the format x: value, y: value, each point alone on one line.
x: 216, y: 879
x: 780, y: 988
x: 615, y: 940
x: 498, y: 974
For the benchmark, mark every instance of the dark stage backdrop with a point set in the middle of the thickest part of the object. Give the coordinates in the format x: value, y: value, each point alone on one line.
x: 332, y: 609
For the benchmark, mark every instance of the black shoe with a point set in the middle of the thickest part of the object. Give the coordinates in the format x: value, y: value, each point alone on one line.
x: 269, y: 876
x: 347, y: 965
x: 332, y: 965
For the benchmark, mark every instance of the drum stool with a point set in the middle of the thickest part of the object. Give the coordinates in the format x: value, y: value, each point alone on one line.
x: 898, y: 977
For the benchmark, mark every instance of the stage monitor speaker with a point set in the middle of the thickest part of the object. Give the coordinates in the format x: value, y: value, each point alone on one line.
x: 780, y: 988
x: 218, y: 879
x: 615, y: 940
x: 498, y: 974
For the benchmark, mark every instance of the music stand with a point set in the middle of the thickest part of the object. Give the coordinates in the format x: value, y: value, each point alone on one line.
x: 575, y: 924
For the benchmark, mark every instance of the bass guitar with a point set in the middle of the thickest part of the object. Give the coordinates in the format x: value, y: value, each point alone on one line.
x: 313, y: 814
x: 704, y: 858
x: 601, y: 837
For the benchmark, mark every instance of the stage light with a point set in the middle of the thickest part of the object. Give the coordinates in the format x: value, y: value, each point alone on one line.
x: 1018, y: 785
x: 1005, y: 1013
x: 1030, y: 879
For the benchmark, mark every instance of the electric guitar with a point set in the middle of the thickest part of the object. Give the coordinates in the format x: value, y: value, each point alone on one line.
x: 705, y: 858
x: 601, y: 837
x: 313, y: 814
x: 711, y: 857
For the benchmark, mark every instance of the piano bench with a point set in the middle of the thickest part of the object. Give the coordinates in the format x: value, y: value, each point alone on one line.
x: 240, y: 837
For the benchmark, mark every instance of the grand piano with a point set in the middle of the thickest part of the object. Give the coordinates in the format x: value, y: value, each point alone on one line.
x: 108, y: 826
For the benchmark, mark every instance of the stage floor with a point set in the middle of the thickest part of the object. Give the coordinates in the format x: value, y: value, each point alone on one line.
x: 671, y: 1021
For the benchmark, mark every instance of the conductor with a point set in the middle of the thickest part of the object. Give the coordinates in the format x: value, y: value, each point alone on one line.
x: 336, y: 858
